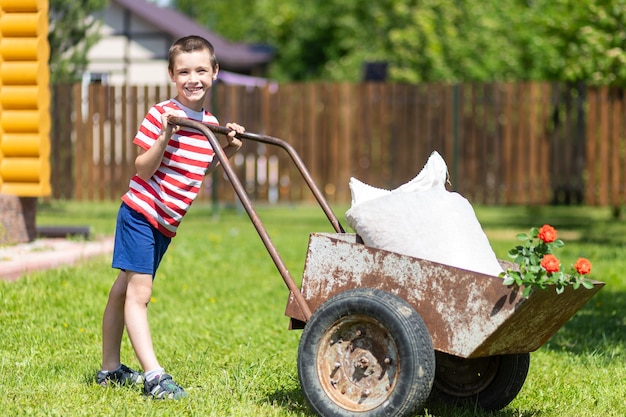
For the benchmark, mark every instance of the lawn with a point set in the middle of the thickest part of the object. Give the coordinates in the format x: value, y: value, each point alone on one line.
x: 217, y: 318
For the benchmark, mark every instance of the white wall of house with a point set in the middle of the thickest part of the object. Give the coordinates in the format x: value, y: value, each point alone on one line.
x: 130, y: 51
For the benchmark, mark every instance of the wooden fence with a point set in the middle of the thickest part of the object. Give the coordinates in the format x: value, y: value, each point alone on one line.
x: 523, y: 143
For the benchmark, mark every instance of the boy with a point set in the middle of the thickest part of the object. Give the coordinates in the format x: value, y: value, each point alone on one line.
x: 170, y: 168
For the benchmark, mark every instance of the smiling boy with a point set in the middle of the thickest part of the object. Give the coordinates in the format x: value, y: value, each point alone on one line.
x: 171, y: 166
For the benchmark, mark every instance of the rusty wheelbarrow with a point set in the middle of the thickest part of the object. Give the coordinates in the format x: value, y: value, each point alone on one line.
x: 383, y: 331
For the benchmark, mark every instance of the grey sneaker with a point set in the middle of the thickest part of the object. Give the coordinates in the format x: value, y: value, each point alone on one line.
x: 121, y: 376
x: 163, y: 387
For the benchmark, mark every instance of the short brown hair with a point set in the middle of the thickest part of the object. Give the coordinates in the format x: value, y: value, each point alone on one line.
x: 190, y: 44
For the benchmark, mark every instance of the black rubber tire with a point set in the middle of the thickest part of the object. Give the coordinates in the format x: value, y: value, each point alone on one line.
x: 365, y: 352
x: 491, y: 382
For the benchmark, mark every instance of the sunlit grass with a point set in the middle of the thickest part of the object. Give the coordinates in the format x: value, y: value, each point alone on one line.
x: 218, y: 324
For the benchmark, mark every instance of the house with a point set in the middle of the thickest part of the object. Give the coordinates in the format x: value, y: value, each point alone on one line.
x: 136, y: 36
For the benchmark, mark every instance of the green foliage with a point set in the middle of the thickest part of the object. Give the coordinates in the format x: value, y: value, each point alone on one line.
x: 72, y: 31
x: 454, y: 41
x: 431, y: 40
x: 587, y: 39
x: 231, y: 19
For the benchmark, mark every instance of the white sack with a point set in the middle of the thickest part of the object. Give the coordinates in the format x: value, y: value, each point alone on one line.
x: 424, y: 220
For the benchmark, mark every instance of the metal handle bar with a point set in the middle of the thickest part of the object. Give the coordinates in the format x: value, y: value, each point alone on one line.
x: 207, y: 130
x: 319, y: 197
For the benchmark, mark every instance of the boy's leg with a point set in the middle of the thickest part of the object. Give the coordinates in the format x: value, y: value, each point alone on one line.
x: 113, y: 324
x: 138, y: 294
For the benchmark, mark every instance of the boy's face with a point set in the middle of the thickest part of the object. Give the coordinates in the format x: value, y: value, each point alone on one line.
x: 193, y: 76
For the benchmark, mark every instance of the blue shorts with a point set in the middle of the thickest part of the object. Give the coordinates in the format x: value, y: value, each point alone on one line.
x: 139, y: 246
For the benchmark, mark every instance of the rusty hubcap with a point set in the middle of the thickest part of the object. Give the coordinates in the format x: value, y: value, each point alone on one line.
x: 357, y: 363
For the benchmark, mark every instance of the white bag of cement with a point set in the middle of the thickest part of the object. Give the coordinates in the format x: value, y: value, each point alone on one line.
x: 423, y: 220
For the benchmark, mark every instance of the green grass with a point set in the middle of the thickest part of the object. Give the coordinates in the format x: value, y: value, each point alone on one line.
x: 217, y: 318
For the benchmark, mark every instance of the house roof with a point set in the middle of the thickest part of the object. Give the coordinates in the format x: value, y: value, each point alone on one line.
x: 231, y: 55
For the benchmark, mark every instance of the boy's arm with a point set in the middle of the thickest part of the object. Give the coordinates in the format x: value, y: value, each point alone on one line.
x: 149, y: 160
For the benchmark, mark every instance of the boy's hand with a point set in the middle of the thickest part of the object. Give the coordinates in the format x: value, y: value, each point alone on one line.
x: 168, y: 128
x: 234, y: 129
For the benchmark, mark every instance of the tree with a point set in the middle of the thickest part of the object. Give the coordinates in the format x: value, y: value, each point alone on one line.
x: 444, y: 41
x: 588, y: 39
x: 72, y: 31
x: 319, y: 40
x: 431, y: 40
x: 232, y: 19
x: 422, y: 40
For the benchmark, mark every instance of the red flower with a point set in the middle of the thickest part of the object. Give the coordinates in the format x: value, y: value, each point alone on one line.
x: 550, y: 263
x: 547, y: 233
x: 582, y: 266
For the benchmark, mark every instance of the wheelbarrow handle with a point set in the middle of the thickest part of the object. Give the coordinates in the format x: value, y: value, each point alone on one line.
x: 306, y: 175
x: 207, y: 130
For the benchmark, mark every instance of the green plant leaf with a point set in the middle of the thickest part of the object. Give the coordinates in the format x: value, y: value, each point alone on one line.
x: 527, y: 290
x: 509, y: 280
x: 587, y: 284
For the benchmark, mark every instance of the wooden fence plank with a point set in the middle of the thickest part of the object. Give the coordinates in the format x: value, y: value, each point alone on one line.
x: 344, y: 143
x: 111, y: 154
x: 523, y: 158
x: 508, y: 139
x: 622, y: 152
x: 544, y: 145
x: 590, y: 149
x: 614, y: 132
x: 124, y: 166
x: 473, y: 155
x: 482, y: 135
x: 532, y: 152
x: 604, y: 147
x: 361, y: 145
x: 102, y: 120
x: 503, y: 143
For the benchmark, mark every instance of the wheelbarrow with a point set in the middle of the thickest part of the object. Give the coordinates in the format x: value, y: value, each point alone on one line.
x: 384, y: 331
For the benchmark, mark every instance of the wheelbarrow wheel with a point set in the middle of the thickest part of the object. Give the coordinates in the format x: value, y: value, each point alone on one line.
x: 491, y: 382
x: 365, y: 352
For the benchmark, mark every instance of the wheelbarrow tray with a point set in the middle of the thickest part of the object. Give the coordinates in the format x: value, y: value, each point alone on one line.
x: 468, y: 314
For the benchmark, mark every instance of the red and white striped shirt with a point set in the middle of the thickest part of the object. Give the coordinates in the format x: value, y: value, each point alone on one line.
x: 165, y: 198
